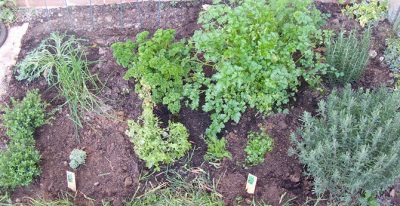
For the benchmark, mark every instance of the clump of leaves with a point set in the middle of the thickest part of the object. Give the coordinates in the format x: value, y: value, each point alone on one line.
x: 164, y: 64
x: 62, y: 61
x: 6, y: 10
x: 368, y: 11
x: 77, y: 157
x: 19, y: 164
x: 252, y: 47
x: 351, y: 146
x: 153, y: 144
x: 216, y: 149
x: 348, y: 56
x: 392, y: 54
x: 257, y: 147
x: 22, y: 118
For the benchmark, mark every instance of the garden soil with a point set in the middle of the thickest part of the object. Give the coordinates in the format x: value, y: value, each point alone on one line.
x: 112, y: 169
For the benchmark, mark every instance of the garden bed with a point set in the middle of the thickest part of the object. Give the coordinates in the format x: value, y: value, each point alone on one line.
x: 112, y: 170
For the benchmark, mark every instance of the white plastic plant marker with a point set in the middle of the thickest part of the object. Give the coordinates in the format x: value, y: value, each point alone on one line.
x: 251, y: 184
x: 71, y: 181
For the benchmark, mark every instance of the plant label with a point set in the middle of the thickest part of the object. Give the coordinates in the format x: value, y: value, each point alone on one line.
x: 251, y: 184
x: 71, y: 181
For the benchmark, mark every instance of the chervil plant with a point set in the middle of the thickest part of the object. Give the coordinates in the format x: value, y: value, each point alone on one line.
x: 259, y: 50
x: 257, y: 147
x: 352, y: 145
x: 164, y: 64
x: 153, y: 144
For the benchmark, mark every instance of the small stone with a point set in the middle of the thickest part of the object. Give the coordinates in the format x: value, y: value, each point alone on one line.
x: 206, y: 6
x: 336, y: 21
x: 282, y: 124
x: 124, y: 168
x: 60, y: 14
x: 392, y: 193
x: 65, y: 163
x: 248, y: 201
x: 381, y: 58
x: 96, y: 183
x: 295, y: 178
x: 372, y: 53
x: 128, y: 181
x: 109, y: 18
x: 121, y: 113
x: 17, y: 200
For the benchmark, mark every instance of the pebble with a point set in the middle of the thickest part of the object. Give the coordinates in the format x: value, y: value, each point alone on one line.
x: 60, y: 14
x: 109, y: 18
x: 96, y: 183
x: 295, y: 178
x: 392, y: 193
x: 206, y: 6
x: 381, y: 58
x: 65, y: 163
x: 128, y: 181
x: 372, y: 53
x: 17, y: 200
x: 282, y: 124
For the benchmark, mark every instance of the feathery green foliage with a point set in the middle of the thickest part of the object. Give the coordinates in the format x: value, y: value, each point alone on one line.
x: 153, y: 144
x: 62, y: 61
x: 348, y: 56
x: 216, y: 149
x: 352, y: 146
x: 257, y: 147
x: 165, y: 65
x: 252, y: 48
x: 19, y: 164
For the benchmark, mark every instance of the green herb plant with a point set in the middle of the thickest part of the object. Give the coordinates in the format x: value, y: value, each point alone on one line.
x: 216, y: 149
x: 7, y: 10
x: 392, y: 54
x: 153, y: 144
x: 351, y: 147
x: 19, y: 164
x: 162, y: 63
x: 77, y: 157
x: 259, y: 50
x: 62, y: 61
x: 348, y: 56
x: 173, y: 3
x: 257, y: 147
x: 368, y: 11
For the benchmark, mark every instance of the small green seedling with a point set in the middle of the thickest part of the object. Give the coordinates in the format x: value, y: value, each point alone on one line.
x: 77, y: 158
x: 257, y: 147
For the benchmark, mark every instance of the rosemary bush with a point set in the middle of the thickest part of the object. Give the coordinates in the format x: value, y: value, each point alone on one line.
x: 352, y: 146
x: 348, y: 56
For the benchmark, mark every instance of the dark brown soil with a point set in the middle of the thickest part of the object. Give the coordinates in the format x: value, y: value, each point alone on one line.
x: 112, y: 169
